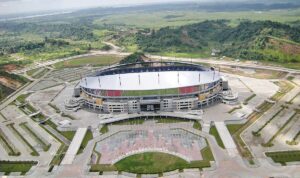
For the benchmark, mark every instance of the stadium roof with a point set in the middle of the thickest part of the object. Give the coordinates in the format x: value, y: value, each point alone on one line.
x: 150, y: 80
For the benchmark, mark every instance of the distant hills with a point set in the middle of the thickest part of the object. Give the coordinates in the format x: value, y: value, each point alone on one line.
x: 260, y: 40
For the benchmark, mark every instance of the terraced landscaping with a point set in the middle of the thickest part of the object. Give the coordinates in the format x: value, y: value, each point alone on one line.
x: 20, y: 136
x: 284, y: 156
x: 269, y: 142
x: 257, y: 133
x: 46, y: 146
x: 8, y: 145
x: 285, y: 87
x: 236, y: 134
x: 16, y: 166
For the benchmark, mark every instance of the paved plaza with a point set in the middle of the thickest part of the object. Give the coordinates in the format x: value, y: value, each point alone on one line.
x: 176, y: 141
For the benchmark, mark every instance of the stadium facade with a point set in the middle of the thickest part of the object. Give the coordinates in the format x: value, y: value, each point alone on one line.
x: 150, y: 87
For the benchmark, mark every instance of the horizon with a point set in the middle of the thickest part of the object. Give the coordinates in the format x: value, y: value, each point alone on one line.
x: 15, y: 7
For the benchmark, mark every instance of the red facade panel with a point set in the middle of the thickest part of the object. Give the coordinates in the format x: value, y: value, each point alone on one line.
x: 185, y: 90
x: 114, y: 92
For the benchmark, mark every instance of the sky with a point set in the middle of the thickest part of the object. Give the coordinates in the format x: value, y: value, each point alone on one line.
x: 21, y: 6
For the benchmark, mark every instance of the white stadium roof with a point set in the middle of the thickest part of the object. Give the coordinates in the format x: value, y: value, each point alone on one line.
x: 150, y: 80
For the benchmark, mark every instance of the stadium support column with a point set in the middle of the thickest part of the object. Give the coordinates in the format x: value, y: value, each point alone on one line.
x: 139, y: 79
x: 99, y: 82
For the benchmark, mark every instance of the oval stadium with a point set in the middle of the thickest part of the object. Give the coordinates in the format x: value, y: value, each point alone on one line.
x: 150, y: 86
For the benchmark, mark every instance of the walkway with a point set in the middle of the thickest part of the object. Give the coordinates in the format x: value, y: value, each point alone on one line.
x: 74, y: 146
x: 226, y: 139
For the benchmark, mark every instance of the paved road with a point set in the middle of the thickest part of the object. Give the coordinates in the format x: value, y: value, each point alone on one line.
x: 117, y: 51
x: 226, y: 63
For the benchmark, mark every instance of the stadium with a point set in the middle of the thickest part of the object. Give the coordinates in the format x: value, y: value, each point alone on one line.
x: 150, y: 86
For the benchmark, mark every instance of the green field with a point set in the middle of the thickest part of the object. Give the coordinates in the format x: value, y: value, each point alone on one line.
x: 178, y: 18
x: 102, y: 60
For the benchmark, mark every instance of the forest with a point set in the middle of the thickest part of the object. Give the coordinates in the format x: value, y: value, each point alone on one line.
x: 259, y: 40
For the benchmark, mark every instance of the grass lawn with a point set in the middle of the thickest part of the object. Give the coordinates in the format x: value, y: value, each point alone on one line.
x: 68, y: 134
x: 171, y: 120
x: 213, y: 131
x: 88, y: 136
x: 284, y: 157
x: 248, y: 99
x: 16, y: 166
x: 232, y: 128
x: 59, y: 154
x: 40, y: 74
x: 151, y: 163
x: 197, y: 125
x: 22, y: 98
x: 31, y: 72
x: 104, y: 129
x: 91, y: 60
x: 134, y: 121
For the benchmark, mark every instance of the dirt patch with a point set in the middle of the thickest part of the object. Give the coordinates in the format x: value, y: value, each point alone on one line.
x: 287, y: 48
x: 254, y: 73
x: 10, y: 83
x: 9, y: 67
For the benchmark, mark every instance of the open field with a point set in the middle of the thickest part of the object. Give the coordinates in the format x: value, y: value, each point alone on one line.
x: 91, y: 60
x: 177, y: 18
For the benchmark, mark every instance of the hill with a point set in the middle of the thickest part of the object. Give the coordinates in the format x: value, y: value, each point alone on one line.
x: 260, y: 40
